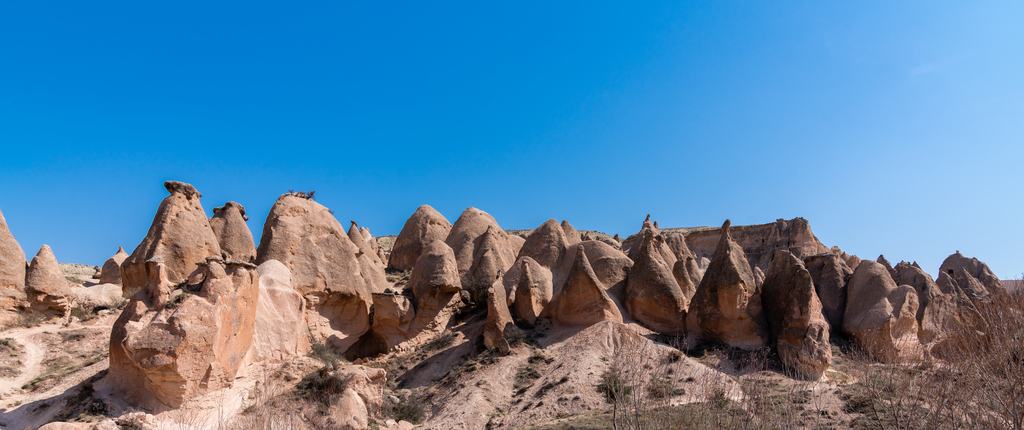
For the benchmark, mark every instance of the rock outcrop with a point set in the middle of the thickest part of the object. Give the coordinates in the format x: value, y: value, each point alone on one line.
x: 12, y: 260
x: 881, y: 316
x: 48, y: 292
x: 97, y: 296
x: 174, y: 343
x: 110, y: 273
x: 180, y: 233
x: 688, y: 275
x: 759, y: 242
x: 831, y: 275
x: 233, y: 235
x: 281, y: 331
x: 727, y: 306
x: 482, y: 249
x: 799, y: 330
x: 582, y: 300
x: 534, y: 291
x: 653, y: 297
x: 326, y: 268
x: 926, y: 288
x: 499, y: 320
x: 962, y: 268
x: 572, y: 237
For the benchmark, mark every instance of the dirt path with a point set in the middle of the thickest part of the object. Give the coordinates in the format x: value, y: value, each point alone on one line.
x: 34, y: 353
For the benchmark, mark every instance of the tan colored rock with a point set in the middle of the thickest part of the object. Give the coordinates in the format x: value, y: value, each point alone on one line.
x: 351, y: 411
x: 851, y: 260
x: 98, y: 295
x: 111, y: 271
x: 611, y: 265
x: 830, y: 275
x: 281, y: 331
x: 688, y: 276
x: 174, y: 345
x: 425, y: 226
x: 499, y: 320
x: 926, y: 288
x: 631, y: 246
x: 326, y: 268
x: 366, y: 382
x: 180, y: 233
x: 572, y: 237
x: 47, y: 290
x: 727, y: 305
x: 12, y: 260
x: 534, y: 291
x: 973, y: 267
x: 799, y: 330
x: 482, y: 249
x: 582, y: 300
x: 546, y: 245
x: 759, y: 242
x: 653, y: 297
x: 233, y: 235
x: 758, y: 277
x: 880, y: 316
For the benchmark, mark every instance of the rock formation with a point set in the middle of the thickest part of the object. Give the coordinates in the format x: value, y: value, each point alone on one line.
x: 482, y: 249
x: 499, y: 320
x: 799, y: 331
x: 830, y: 275
x: 281, y: 331
x: 653, y: 297
x: 631, y: 246
x: 759, y: 242
x: 688, y: 275
x: 233, y: 235
x: 534, y: 290
x: 326, y: 269
x: 47, y: 290
x: 176, y: 343
x: 727, y: 305
x: 881, y: 316
x: 962, y: 268
x: 926, y: 288
x: 180, y: 233
x: 12, y: 260
x: 96, y: 296
x: 582, y: 300
x: 110, y: 273
x: 572, y: 237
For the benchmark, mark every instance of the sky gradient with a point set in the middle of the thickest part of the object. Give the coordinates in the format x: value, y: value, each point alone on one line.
x: 894, y: 129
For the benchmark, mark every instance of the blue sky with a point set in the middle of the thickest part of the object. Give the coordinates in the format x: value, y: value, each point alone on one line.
x: 893, y: 128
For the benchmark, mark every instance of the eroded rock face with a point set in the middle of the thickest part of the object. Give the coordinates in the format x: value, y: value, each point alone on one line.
x: 798, y: 328
x: 482, y: 249
x: 180, y: 233
x: 105, y: 295
x: 759, y: 242
x: 47, y: 290
x: 631, y: 245
x: 499, y: 320
x: 688, y: 275
x: 281, y: 331
x: 399, y: 319
x: 831, y: 275
x: 12, y: 260
x: 727, y: 305
x: 881, y: 316
x: 424, y: 227
x: 111, y: 271
x: 961, y: 267
x: 534, y: 291
x: 653, y: 297
x: 926, y: 288
x: 326, y: 268
x: 572, y: 237
x: 233, y: 235
x: 582, y: 300
x: 174, y: 345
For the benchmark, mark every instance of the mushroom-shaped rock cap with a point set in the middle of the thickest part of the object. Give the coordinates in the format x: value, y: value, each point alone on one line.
x: 12, y: 260
x: 182, y: 188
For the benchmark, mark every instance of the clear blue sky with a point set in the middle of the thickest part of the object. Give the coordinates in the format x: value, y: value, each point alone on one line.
x: 894, y: 128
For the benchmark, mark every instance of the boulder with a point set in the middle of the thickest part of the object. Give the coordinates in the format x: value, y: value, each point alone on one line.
x: 926, y: 288
x: 572, y: 237
x: 281, y: 331
x: 534, y: 290
x: 96, y: 296
x: 956, y: 264
x: 830, y: 275
x: 174, y: 342
x: 12, y: 260
x: 881, y: 316
x: 499, y: 320
x: 799, y: 330
x: 351, y: 411
x: 424, y: 227
x: 727, y: 305
x: 233, y: 235
x: 582, y: 300
x: 110, y: 273
x: 482, y: 249
x: 326, y: 268
x: 180, y: 233
x: 653, y: 297
x: 47, y: 290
